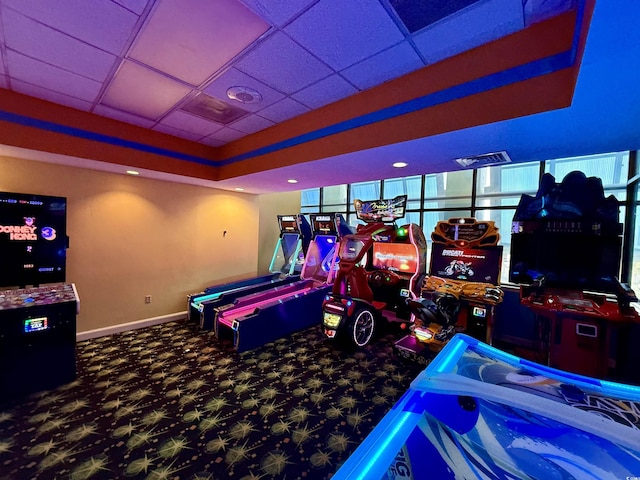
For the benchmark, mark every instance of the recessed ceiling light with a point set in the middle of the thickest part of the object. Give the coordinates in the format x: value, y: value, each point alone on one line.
x: 400, y: 164
x: 132, y: 172
x: 239, y: 189
x: 244, y: 95
x: 292, y: 180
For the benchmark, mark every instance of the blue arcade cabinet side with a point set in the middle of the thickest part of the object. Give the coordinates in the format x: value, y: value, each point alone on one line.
x: 477, y: 412
x: 285, y: 267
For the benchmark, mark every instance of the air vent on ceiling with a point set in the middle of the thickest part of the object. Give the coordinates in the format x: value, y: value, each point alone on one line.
x: 484, y: 160
x: 213, y: 109
x: 417, y: 15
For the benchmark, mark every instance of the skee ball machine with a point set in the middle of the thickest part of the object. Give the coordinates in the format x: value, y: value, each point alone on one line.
x: 381, y: 265
x: 256, y: 319
x: 461, y: 291
x: 566, y: 248
x: 285, y: 267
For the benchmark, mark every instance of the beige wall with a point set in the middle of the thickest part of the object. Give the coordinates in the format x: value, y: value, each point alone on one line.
x: 270, y: 206
x: 131, y: 237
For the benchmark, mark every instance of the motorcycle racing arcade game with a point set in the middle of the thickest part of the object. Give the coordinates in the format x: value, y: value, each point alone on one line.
x: 381, y: 265
x: 566, y: 248
x: 460, y: 293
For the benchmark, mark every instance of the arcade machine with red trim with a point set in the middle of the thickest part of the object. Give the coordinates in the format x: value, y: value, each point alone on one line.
x: 566, y: 249
x: 381, y: 265
x: 461, y: 291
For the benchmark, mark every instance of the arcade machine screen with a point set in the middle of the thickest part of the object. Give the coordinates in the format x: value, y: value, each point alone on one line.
x: 584, y: 262
x: 398, y: 257
x: 472, y: 265
x: 33, y: 239
x: 320, y: 257
x: 289, y: 245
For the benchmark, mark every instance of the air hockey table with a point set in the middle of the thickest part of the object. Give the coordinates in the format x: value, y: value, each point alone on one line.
x: 479, y: 413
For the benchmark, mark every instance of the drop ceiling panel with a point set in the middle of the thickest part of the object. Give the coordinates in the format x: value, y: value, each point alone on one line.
x: 190, y: 123
x: 177, y: 132
x: 123, y: 116
x: 470, y: 28
x: 325, y: 91
x: 50, y: 95
x: 283, y: 110
x: 278, y: 13
x: 51, y: 78
x: 234, y: 78
x: 141, y: 91
x: 362, y: 29
x: 193, y: 43
x: 136, y: 6
x: 43, y: 43
x: 283, y: 64
x: 225, y: 135
x: 386, y: 65
x: 251, y: 124
x: 417, y: 15
x: 101, y: 23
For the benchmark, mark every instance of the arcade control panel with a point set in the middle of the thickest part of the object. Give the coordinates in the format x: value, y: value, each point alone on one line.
x: 37, y: 338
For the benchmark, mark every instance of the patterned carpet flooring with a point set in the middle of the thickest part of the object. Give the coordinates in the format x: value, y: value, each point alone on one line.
x: 173, y: 402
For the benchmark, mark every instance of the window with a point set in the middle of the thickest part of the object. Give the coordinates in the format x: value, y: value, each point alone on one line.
x: 310, y: 201
x: 488, y: 193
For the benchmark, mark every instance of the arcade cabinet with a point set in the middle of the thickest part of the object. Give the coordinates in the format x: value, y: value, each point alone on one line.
x: 477, y: 412
x: 461, y: 291
x: 38, y: 323
x: 565, y: 252
x: 263, y: 317
x: 381, y: 265
x: 285, y: 267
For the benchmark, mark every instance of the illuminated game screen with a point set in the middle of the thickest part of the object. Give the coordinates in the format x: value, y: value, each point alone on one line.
x: 33, y: 239
x: 399, y: 257
x: 472, y: 265
x: 36, y: 324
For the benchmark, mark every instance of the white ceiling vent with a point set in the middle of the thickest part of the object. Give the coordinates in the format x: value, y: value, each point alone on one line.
x: 211, y: 108
x: 484, y: 160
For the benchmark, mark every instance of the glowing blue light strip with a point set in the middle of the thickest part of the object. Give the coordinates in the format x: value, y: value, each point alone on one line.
x: 372, y: 458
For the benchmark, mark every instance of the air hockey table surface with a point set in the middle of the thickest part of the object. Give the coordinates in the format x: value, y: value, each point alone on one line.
x: 478, y: 412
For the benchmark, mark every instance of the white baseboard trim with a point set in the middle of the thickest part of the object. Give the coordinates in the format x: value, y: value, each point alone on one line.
x: 123, y: 327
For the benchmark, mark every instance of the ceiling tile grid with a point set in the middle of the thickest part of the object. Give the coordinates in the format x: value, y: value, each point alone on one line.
x: 283, y: 110
x: 101, y: 23
x: 283, y: 64
x: 52, y: 78
x: 325, y: 91
x: 386, y: 65
x: 190, y: 123
x: 340, y: 40
x: 469, y: 28
x: 278, y: 12
x: 50, y: 95
x: 234, y: 77
x: 142, y: 91
x: 191, y: 44
x: 144, y: 62
x: 38, y: 41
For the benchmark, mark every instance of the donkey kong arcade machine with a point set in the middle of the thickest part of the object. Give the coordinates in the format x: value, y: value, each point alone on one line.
x: 566, y: 249
x: 461, y: 291
x: 38, y: 323
x: 381, y: 265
